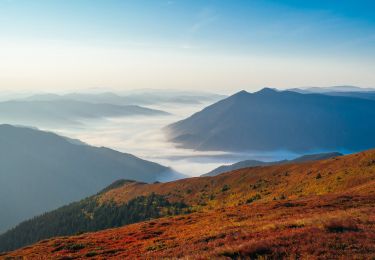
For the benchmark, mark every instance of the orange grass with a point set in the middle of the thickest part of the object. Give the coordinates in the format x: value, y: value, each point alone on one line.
x: 272, y: 182
x: 308, y: 228
x: 271, y: 212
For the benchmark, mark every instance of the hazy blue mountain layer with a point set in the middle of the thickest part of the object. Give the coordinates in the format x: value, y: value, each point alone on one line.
x: 40, y: 171
x: 271, y: 120
x: 66, y: 111
x: 140, y: 97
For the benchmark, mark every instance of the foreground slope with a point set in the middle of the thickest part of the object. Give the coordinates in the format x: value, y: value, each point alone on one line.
x: 271, y: 120
x: 253, y: 163
x: 40, y: 171
x: 311, y: 209
x: 325, y: 227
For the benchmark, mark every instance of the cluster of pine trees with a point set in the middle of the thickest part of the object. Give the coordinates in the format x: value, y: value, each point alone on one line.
x: 88, y: 215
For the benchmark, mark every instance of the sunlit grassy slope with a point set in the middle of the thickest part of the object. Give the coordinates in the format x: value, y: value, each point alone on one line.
x: 317, y: 210
x: 266, y: 183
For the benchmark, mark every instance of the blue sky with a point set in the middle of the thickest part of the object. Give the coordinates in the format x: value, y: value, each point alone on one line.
x: 218, y: 45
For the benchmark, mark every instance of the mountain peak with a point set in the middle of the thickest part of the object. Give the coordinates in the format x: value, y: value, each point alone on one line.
x: 241, y: 93
x: 266, y: 91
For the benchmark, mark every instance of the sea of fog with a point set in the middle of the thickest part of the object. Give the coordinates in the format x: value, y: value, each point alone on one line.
x: 143, y: 137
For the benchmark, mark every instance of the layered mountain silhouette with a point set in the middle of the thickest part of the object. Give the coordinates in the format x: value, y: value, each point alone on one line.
x: 344, y: 91
x: 40, y: 171
x: 332, y: 89
x: 254, y: 163
x: 66, y: 111
x: 140, y: 97
x: 271, y: 120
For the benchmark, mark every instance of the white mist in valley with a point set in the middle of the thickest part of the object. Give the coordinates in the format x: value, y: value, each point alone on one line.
x: 144, y: 137
x: 85, y: 117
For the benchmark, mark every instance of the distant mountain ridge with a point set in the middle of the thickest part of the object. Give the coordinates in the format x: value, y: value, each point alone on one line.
x: 254, y: 163
x: 332, y: 89
x: 343, y: 91
x: 40, y: 171
x: 141, y: 97
x: 66, y: 111
x: 270, y: 120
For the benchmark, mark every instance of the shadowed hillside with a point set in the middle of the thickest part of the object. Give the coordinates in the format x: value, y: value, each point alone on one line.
x: 40, y: 171
x: 270, y: 120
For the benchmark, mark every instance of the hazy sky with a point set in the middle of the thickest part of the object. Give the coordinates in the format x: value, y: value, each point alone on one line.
x: 213, y: 45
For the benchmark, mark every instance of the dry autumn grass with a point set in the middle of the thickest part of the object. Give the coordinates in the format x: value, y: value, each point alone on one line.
x: 272, y: 182
x: 318, y: 210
